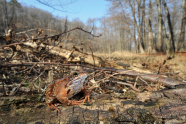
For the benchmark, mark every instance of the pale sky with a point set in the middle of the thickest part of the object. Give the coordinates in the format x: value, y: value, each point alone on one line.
x: 82, y: 9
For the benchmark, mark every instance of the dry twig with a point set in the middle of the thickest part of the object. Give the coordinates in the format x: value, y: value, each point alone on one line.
x: 24, y: 80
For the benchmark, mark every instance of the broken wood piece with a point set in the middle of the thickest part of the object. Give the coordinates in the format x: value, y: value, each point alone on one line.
x: 134, y: 88
x: 55, y: 50
x: 127, y: 84
x: 178, y: 93
x: 154, y: 78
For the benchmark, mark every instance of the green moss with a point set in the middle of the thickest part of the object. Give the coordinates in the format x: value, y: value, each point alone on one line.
x: 122, y: 118
x: 128, y: 95
x: 26, y: 84
x: 145, y: 117
x: 130, y: 111
x: 36, y: 97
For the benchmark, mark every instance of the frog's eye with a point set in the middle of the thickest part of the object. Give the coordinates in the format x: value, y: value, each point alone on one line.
x: 68, y: 91
x: 75, y: 74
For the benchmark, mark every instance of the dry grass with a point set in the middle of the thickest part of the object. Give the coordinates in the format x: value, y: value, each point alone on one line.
x: 115, y: 55
x: 178, y: 64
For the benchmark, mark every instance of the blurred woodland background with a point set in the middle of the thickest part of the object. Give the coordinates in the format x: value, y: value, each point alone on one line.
x: 138, y: 26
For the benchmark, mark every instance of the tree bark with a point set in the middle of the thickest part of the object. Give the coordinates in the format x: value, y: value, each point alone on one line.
x: 150, y: 35
x: 122, y: 37
x: 5, y: 14
x: 160, y: 42
x: 170, y: 27
x: 149, y: 25
x: 140, y: 40
x: 129, y: 31
x: 183, y: 23
x: 170, y: 50
x: 143, y: 22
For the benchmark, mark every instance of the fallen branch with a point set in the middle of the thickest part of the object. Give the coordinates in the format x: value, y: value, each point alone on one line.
x: 53, y: 36
x: 130, y: 85
x: 26, y: 31
x: 74, y: 57
x: 134, y: 88
x: 166, y: 81
x: 22, y: 81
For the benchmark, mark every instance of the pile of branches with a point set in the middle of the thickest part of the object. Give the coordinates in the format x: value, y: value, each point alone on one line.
x: 30, y: 64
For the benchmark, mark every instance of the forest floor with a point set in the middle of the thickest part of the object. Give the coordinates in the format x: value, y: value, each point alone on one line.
x: 165, y: 106
x: 150, y: 62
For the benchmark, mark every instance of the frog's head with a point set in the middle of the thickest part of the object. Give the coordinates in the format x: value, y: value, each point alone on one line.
x: 76, y: 84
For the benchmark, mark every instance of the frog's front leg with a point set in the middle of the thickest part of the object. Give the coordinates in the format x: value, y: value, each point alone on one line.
x: 65, y: 100
x: 74, y: 102
x: 50, y: 98
x: 52, y: 107
x: 86, y: 95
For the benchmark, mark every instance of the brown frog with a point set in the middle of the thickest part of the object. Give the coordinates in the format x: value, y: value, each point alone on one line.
x: 66, y: 88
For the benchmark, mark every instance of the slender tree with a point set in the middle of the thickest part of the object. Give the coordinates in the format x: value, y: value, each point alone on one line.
x: 149, y: 25
x: 170, y: 27
x: 160, y: 41
x: 182, y: 32
x: 140, y: 40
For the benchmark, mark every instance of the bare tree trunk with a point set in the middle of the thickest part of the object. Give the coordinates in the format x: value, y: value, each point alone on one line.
x: 149, y: 25
x: 140, y: 40
x: 143, y: 23
x: 151, y: 38
x: 140, y: 34
x: 183, y: 23
x: 136, y: 44
x: 170, y: 27
x: 170, y: 51
x: 160, y: 42
x: 5, y: 14
x: 129, y: 31
x: 122, y: 37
